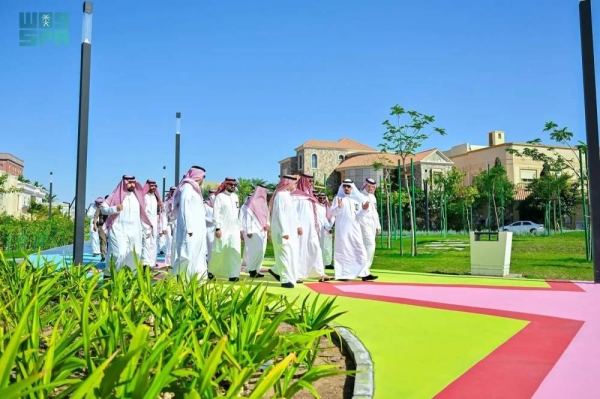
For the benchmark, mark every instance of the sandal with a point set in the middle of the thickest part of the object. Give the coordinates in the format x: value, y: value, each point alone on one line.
x: 324, y: 279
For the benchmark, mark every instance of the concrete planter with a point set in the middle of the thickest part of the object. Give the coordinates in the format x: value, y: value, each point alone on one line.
x: 490, y: 253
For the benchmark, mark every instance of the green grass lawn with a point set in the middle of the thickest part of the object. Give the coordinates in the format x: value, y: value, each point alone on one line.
x: 560, y: 256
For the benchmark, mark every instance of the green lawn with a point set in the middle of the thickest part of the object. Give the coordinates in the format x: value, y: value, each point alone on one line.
x: 560, y: 256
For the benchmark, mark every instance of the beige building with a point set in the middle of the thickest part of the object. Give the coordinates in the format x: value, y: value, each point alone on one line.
x: 473, y: 159
x: 17, y: 204
x: 321, y: 158
x: 426, y: 164
x: 11, y: 164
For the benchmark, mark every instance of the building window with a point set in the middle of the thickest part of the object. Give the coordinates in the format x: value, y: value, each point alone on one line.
x: 300, y: 162
x: 528, y: 175
x: 341, y: 158
x: 313, y: 161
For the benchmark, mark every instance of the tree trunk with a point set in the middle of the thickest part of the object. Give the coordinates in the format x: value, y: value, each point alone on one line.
x: 413, y: 246
x: 389, y: 213
x: 495, y: 207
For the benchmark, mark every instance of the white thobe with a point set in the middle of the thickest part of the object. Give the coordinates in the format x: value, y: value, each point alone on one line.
x: 226, y: 258
x: 350, y: 255
x: 150, y: 232
x: 255, y: 246
x: 94, y: 237
x: 161, y: 241
x: 210, y: 230
x: 242, y: 219
x: 325, y: 237
x: 190, y: 251
x: 310, y: 256
x: 284, y: 222
x: 125, y: 234
x: 369, y: 224
x: 171, y: 218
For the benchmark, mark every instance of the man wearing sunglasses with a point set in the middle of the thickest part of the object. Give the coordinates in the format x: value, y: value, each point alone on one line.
x: 226, y: 258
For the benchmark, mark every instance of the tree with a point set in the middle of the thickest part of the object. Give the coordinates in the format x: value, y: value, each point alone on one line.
x: 495, y: 187
x: 468, y: 195
x: 447, y: 185
x: 3, y: 185
x: 404, y: 140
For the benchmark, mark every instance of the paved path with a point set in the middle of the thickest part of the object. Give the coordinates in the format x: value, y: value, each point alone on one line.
x: 467, y: 337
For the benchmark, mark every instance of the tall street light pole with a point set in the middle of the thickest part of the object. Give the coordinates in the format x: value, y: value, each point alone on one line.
x: 50, y: 199
x: 177, y: 144
x: 164, y: 181
x: 82, y: 139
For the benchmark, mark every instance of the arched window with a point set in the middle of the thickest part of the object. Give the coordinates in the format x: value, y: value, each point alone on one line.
x: 341, y: 158
x: 313, y: 161
x: 300, y: 163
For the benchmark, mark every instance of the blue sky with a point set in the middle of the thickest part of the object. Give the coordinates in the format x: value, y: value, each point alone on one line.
x: 254, y: 79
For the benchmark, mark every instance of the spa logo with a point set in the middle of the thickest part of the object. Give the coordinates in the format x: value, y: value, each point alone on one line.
x: 40, y: 28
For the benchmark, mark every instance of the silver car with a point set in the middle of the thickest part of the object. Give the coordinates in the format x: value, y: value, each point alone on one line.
x: 523, y: 226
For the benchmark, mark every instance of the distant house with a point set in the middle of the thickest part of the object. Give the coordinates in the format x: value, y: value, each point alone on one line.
x: 321, y: 158
x: 426, y: 164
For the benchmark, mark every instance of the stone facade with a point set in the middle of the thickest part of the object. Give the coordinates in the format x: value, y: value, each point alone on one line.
x: 320, y: 159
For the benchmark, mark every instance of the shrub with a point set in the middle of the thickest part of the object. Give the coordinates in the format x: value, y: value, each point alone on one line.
x: 25, y: 234
x: 68, y: 334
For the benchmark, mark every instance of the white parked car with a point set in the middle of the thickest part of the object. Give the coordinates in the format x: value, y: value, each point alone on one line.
x: 523, y: 226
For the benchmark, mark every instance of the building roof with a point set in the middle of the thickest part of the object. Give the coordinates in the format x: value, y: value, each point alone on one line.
x: 5, y: 156
x: 387, y: 159
x: 341, y: 144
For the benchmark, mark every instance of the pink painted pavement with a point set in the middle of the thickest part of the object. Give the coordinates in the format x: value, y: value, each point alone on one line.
x: 575, y: 373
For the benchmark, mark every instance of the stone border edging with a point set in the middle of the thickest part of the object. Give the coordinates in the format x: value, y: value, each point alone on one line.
x: 364, y: 379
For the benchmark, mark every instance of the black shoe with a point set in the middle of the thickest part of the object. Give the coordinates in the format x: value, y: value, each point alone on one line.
x: 276, y: 276
x: 329, y: 267
x: 234, y: 279
x: 103, y: 259
x: 370, y: 277
x: 299, y: 282
x: 287, y: 285
x: 255, y: 274
x: 162, y: 253
x: 210, y: 276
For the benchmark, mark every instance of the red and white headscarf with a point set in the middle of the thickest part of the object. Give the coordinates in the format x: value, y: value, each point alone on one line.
x: 118, y: 196
x: 159, y: 203
x: 190, y: 177
x: 285, y: 182
x: 304, y: 190
x: 327, y: 205
x: 257, y: 203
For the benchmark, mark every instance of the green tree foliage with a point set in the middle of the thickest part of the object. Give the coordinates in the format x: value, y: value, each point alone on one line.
x: 404, y: 139
x: 495, y: 189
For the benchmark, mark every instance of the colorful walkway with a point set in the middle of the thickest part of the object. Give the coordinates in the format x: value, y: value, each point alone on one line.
x: 467, y: 337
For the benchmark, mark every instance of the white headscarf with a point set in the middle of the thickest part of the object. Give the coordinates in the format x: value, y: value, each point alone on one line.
x: 355, y: 194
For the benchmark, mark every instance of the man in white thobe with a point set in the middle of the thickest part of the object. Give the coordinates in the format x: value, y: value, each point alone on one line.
x: 210, y: 223
x: 125, y: 208
x: 326, y: 222
x: 151, y: 233
x: 94, y: 237
x: 350, y: 255
x: 171, y: 220
x: 310, y: 256
x: 241, y: 217
x: 226, y: 257
x: 285, y: 230
x: 255, y: 224
x: 189, y: 257
x: 369, y: 221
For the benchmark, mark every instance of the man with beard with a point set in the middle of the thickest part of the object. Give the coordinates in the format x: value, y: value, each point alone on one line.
x: 171, y: 219
x: 99, y: 219
x: 326, y: 221
x: 126, y: 210
x: 151, y: 233
x: 190, y: 236
x: 285, y: 230
x: 225, y: 260
x: 210, y: 223
x: 310, y: 256
x: 350, y: 255
x: 255, y: 224
x: 369, y: 222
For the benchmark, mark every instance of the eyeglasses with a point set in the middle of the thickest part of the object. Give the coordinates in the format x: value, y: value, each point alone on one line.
x: 347, y: 186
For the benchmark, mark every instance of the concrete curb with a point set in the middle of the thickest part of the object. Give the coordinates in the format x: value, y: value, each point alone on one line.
x: 364, y: 379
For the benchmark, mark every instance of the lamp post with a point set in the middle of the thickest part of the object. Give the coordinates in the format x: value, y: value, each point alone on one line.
x: 82, y: 137
x: 177, y: 143
x: 164, y: 180
x: 50, y: 199
x: 591, y: 126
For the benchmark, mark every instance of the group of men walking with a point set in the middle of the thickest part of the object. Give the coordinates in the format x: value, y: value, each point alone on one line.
x: 202, y: 238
